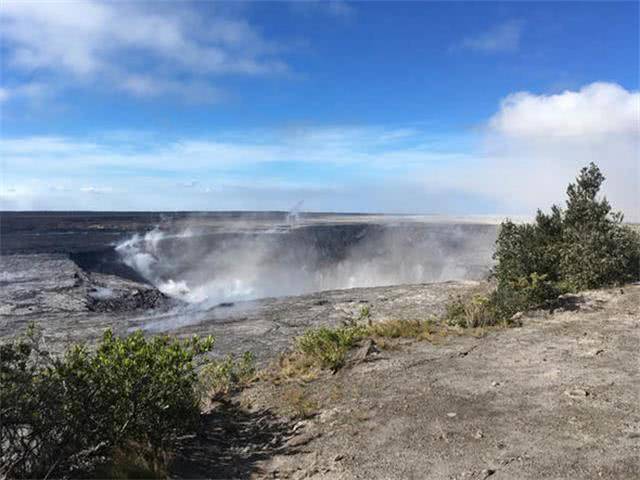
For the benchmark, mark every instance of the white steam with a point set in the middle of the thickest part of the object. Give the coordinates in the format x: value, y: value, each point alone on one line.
x: 207, y: 268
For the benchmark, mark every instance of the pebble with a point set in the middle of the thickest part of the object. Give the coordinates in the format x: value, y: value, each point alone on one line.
x: 451, y: 414
x: 301, y: 440
x: 478, y: 435
x: 495, y: 384
x: 576, y: 393
x: 298, y: 426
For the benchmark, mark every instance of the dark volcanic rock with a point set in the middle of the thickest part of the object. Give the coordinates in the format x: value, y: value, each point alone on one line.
x: 41, y: 284
x: 106, y: 261
x: 51, y: 284
x: 108, y: 293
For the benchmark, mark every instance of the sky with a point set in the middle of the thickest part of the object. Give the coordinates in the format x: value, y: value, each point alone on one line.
x: 390, y: 107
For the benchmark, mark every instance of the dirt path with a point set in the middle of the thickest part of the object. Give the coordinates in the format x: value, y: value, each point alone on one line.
x: 556, y: 398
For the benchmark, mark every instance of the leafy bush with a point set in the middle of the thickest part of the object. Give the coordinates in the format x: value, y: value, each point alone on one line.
x: 222, y: 377
x: 534, y: 291
x: 584, y: 246
x: 63, y: 416
x: 470, y: 313
x: 328, y: 347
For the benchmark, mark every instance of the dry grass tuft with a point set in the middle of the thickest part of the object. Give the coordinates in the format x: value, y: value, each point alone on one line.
x: 296, y: 402
x: 223, y: 377
x: 416, y: 329
x: 474, y: 312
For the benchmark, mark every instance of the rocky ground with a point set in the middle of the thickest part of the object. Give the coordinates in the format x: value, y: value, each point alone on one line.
x: 44, y: 286
x: 555, y: 398
x: 72, y: 306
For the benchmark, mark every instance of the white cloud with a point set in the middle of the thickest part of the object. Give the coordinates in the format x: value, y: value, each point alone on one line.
x: 153, y: 193
x: 536, y: 144
x: 504, y: 37
x: 338, y: 145
x: 148, y: 86
x: 558, y: 134
x: 44, y: 146
x: 103, y: 41
x: 533, y: 146
x: 596, y: 109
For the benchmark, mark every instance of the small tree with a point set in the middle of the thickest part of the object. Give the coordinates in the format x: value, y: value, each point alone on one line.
x: 596, y: 249
x: 584, y: 246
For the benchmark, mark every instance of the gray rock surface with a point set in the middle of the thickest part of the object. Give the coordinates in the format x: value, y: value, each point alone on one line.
x: 49, y: 284
x: 72, y: 307
x: 556, y: 398
x: 54, y: 293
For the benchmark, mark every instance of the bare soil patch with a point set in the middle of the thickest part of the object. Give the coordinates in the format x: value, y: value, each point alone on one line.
x: 554, y: 398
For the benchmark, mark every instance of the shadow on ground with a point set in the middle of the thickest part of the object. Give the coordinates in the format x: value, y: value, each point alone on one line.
x: 575, y: 302
x: 232, y: 443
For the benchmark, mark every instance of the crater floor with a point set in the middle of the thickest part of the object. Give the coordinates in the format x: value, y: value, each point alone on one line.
x: 72, y: 306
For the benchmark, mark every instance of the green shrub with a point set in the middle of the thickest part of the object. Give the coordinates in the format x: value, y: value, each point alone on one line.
x: 328, y: 347
x: 526, y: 293
x: 221, y: 377
x: 584, y: 246
x: 365, y: 313
x: 475, y: 312
x: 63, y: 416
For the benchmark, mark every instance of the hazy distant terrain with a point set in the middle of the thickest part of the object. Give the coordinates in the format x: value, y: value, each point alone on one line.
x: 77, y: 273
x: 231, y: 256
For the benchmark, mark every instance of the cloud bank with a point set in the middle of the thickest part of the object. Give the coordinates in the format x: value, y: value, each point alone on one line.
x: 100, y: 42
x: 545, y: 139
x: 530, y: 148
x: 599, y: 109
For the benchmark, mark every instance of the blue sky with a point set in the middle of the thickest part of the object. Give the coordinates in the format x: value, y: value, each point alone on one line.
x: 417, y: 107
